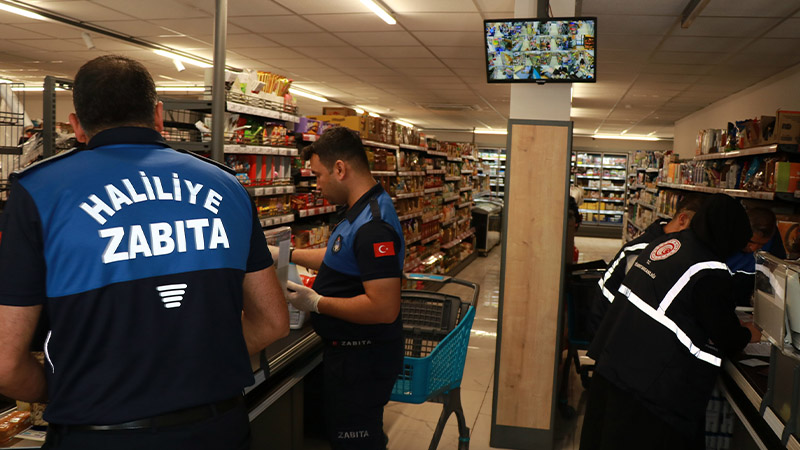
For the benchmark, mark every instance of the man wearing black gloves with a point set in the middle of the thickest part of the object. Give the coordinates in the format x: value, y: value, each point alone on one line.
x: 612, y: 278
x: 660, y: 348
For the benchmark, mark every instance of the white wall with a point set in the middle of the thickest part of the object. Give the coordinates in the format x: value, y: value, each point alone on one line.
x: 33, y: 105
x: 778, y: 92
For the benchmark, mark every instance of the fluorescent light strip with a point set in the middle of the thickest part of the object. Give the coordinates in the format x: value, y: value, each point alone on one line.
x: 487, y: 131
x: 625, y: 138
x: 372, y: 114
x: 307, y: 94
x: 32, y: 89
x: 358, y: 110
x: 21, y: 12
x: 180, y: 89
x: 379, y: 11
x: 175, y: 56
x: 404, y: 123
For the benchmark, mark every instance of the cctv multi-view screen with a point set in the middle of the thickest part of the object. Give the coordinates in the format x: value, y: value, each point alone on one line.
x: 538, y: 51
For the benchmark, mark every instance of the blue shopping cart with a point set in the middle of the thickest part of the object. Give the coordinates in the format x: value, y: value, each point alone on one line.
x: 436, y: 329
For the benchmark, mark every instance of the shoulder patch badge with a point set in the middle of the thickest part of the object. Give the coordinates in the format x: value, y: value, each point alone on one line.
x: 665, y: 249
x: 383, y: 249
x: 337, y: 244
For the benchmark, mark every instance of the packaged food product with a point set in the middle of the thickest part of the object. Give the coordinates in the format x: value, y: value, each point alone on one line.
x: 14, y: 423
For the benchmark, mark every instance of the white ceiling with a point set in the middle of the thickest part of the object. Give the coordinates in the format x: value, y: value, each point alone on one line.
x: 650, y: 71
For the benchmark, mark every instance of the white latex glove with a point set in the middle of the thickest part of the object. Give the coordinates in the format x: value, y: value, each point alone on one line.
x: 274, y: 251
x: 302, y: 298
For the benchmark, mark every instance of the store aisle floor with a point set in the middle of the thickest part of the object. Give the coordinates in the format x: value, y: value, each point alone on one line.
x: 410, y: 427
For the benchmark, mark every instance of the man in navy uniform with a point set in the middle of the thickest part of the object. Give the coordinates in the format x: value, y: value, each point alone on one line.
x: 153, y: 271
x: 660, y: 348
x: 356, y: 296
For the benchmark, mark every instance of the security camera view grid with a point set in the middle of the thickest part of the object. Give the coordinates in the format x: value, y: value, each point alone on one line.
x: 547, y: 50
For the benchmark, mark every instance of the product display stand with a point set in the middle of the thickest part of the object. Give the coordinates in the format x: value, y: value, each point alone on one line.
x: 642, y: 194
x: 495, y: 159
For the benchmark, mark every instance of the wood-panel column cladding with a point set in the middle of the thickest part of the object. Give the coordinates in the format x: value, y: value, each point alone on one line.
x: 531, y: 284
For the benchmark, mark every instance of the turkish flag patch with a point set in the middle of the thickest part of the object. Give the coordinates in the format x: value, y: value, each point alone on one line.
x: 383, y: 249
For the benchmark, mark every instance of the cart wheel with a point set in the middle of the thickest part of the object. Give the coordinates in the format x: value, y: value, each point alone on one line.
x: 586, y: 380
x: 567, y: 412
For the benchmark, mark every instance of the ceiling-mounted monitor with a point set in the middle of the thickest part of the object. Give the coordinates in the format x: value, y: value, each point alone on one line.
x: 552, y: 50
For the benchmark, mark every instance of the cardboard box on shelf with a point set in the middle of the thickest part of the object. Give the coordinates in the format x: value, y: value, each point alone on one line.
x: 339, y: 111
x: 787, y: 128
x: 355, y: 123
x: 787, y: 175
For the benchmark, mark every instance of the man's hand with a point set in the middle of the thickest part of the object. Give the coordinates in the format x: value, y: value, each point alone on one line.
x: 303, y: 298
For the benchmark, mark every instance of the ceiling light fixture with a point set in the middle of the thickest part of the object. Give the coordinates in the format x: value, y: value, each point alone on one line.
x: 32, y: 89
x: 307, y: 94
x: 358, y: 110
x: 372, y: 114
x: 180, y: 89
x: 178, y: 65
x: 21, y: 12
x: 489, y: 131
x: 623, y: 132
x: 379, y: 11
x: 625, y: 138
x: 404, y: 123
x: 692, y: 10
x: 185, y: 59
x: 87, y: 39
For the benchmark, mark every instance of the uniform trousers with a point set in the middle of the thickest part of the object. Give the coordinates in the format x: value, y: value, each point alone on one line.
x: 616, y: 420
x: 358, y: 382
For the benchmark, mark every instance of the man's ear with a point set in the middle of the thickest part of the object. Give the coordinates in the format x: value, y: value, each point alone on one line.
x: 80, y: 133
x: 339, y: 169
x: 159, y: 117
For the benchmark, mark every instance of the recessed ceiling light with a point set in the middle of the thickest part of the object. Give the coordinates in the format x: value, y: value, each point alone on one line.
x: 625, y: 138
x: 489, y: 131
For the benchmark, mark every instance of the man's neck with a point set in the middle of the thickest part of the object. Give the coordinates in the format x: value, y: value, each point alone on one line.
x: 360, y: 187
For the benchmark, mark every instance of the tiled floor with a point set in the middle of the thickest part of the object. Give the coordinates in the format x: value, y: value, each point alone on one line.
x: 410, y: 427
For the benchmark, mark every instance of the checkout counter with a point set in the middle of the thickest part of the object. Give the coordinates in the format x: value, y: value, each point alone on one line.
x: 762, y: 385
x: 275, y: 400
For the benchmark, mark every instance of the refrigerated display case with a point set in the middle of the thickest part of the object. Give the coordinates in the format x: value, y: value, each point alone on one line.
x: 602, y: 177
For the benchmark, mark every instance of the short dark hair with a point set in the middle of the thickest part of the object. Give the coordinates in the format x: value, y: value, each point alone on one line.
x: 762, y: 221
x: 689, y: 203
x: 112, y: 91
x: 338, y: 143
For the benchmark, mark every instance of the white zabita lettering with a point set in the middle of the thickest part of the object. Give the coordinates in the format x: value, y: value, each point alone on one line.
x: 353, y: 434
x: 161, y: 238
x: 148, y: 188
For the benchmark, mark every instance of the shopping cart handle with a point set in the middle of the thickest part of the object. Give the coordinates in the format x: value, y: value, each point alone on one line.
x: 445, y: 279
x: 427, y: 277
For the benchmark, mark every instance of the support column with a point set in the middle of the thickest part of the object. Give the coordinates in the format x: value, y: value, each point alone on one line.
x: 533, y: 258
x: 218, y: 85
